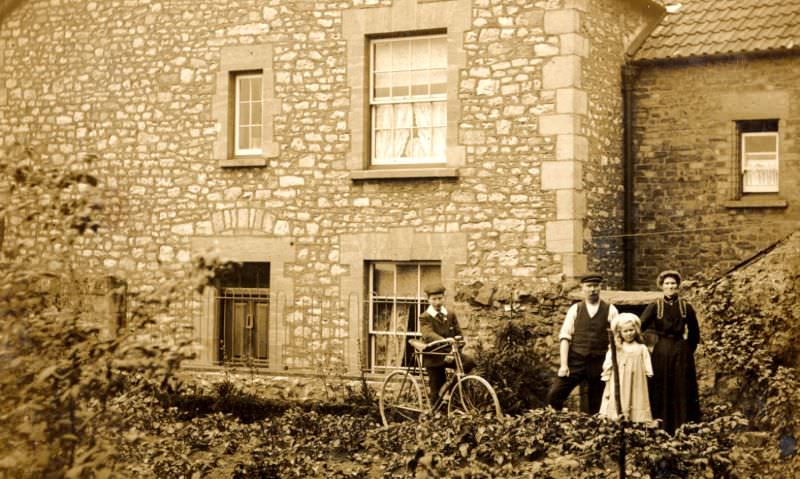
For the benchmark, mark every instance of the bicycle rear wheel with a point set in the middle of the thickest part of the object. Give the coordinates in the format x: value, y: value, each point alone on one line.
x: 401, y: 398
x: 473, y: 395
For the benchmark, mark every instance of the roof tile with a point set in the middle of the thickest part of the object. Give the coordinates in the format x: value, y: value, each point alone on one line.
x: 713, y: 27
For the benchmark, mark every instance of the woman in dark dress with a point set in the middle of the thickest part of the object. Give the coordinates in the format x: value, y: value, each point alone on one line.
x: 673, y: 387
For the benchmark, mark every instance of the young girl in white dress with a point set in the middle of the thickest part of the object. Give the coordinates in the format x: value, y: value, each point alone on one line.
x: 633, y: 360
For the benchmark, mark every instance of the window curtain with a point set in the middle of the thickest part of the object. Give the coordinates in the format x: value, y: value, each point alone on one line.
x: 410, y: 130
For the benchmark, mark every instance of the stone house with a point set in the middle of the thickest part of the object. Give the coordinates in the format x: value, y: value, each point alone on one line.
x: 345, y: 154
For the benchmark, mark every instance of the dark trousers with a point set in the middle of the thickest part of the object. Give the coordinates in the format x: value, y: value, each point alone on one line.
x: 581, y: 368
x: 437, y: 375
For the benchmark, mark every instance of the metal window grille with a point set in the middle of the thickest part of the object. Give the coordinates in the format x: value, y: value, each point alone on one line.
x: 244, y: 335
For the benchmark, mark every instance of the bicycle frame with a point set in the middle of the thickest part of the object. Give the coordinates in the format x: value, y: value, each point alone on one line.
x: 437, y: 348
x: 402, y: 396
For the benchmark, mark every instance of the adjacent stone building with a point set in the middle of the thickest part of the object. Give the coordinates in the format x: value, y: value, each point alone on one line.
x: 716, y: 118
x: 345, y: 154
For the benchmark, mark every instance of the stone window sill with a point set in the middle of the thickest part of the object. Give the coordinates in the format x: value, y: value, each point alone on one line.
x: 403, y: 173
x: 243, y: 162
x: 746, y: 202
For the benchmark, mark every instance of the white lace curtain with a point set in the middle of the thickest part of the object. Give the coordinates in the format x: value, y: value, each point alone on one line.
x: 411, y: 131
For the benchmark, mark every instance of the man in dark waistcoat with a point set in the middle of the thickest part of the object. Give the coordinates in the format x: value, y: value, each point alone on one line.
x: 583, y: 343
x: 434, y: 324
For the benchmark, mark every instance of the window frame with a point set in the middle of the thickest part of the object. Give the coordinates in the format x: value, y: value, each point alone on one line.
x: 236, y: 77
x: 421, y: 302
x: 743, y: 160
x: 233, y: 60
x: 228, y: 297
x: 432, y: 98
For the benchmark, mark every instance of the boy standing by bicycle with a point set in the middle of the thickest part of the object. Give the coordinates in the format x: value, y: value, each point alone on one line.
x: 438, y: 323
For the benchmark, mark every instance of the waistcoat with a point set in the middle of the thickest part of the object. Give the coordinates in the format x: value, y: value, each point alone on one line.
x: 590, y: 335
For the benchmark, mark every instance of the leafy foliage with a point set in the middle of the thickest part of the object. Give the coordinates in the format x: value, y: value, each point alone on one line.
x: 517, y: 366
x: 229, y: 398
x: 64, y: 364
x: 753, y: 337
x: 307, y: 444
x: 752, y: 342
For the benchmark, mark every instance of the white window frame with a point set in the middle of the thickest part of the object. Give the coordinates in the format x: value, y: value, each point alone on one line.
x: 421, y: 302
x: 400, y: 100
x: 237, y: 78
x: 773, y: 157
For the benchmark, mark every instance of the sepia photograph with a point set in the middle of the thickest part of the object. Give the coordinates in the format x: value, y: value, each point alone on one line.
x: 417, y: 239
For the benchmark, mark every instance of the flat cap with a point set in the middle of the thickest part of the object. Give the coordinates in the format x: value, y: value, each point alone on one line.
x: 434, y: 289
x: 591, y: 278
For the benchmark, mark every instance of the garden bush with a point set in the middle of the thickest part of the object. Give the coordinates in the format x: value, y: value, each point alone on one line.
x: 517, y: 366
x: 540, y: 443
x: 64, y: 364
x: 229, y: 398
x: 751, y: 325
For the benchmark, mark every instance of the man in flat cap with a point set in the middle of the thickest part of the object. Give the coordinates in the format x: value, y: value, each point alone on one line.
x: 438, y: 323
x: 583, y: 343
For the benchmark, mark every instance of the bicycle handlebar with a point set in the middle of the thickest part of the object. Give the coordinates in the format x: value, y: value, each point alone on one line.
x: 457, y: 340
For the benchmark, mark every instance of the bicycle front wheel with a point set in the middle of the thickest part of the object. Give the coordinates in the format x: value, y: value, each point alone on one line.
x: 473, y: 395
x: 401, y: 398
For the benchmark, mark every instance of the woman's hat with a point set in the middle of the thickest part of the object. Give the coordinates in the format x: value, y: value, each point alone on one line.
x: 669, y: 273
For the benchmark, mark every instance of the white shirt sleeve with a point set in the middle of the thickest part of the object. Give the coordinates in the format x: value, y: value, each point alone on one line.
x: 568, y: 328
x: 612, y: 313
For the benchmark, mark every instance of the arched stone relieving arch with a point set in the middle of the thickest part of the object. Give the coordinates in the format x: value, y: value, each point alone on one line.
x: 244, y: 220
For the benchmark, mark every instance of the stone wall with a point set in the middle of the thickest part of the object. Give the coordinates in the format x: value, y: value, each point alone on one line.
x: 135, y: 82
x: 689, y: 215
x: 603, y: 168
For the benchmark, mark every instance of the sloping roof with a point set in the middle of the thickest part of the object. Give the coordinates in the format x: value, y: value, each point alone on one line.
x: 699, y: 28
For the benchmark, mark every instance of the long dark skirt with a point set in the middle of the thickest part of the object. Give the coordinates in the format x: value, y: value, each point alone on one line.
x: 673, y: 387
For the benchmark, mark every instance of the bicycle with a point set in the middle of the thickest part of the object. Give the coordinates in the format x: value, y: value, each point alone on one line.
x: 402, y: 398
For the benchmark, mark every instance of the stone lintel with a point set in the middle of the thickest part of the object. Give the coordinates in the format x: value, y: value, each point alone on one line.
x: 744, y: 105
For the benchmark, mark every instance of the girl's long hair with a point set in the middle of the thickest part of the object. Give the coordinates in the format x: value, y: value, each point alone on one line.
x: 625, y: 319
